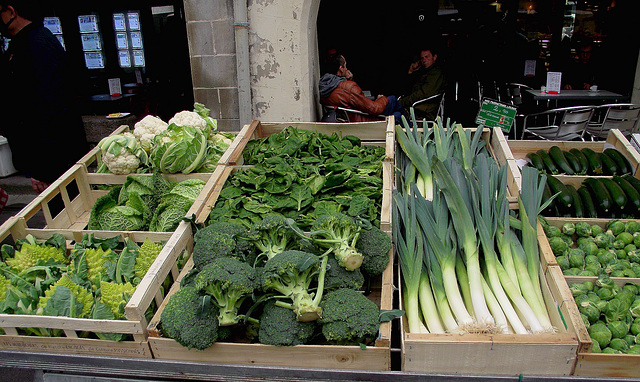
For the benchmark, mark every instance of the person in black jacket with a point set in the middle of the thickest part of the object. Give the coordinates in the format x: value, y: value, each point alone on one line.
x: 44, y: 130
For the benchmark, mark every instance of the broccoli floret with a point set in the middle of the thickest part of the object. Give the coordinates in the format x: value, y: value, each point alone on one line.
x: 211, y: 246
x: 337, y: 277
x: 292, y: 273
x: 273, y: 235
x: 338, y: 232
x: 233, y: 228
x: 189, y: 320
x: 348, y: 317
x: 229, y: 281
x: 280, y: 327
x: 374, y: 244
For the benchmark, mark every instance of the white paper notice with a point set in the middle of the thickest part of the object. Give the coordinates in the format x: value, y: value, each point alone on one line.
x: 114, y: 87
x: 530, y: 68
x: 554, y: 79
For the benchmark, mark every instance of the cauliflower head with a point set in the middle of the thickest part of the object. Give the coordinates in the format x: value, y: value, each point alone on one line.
x: 122, y: 164
x: 189, y: 118
x: 147, y: 128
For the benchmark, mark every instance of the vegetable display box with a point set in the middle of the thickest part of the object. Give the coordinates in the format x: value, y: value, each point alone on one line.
x: 93, y: 158
x: 370, y: 133
x: 89, y: 336
x: 505, y: 354
x: 615, y: 139
x: 589, y: 364
x: 375, y: 357
x: 67, y: 203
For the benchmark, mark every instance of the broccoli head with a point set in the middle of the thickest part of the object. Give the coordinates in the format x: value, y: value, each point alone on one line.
x: 348, y: 317
x: 233, y: 228
x: 273, y: 235
x: 292, y: 273
x: 189, y: 320
x: 337, y: 277
x: 211, y: 246
x: 280, y: 327
x: 338, y: 232
x: 374, y: 244
x: 229, y: 281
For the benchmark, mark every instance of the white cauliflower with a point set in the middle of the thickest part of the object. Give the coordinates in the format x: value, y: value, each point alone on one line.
x: 122, y: 153
x: 189, y: 118
x: 147, y: 128
x: 121, y: 164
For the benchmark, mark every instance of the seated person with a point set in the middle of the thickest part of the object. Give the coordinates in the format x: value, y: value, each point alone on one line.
x: 427, y: 78
x: 581, y: 74
x: 337, y: 88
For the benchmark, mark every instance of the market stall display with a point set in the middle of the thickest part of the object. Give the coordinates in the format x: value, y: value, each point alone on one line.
x: 66, y: 291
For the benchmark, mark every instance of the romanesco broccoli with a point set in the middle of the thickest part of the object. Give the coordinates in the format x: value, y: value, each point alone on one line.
x: 116, y: 296
x: 29, y: 255
x: 82, y: 296
x: 146, y: 256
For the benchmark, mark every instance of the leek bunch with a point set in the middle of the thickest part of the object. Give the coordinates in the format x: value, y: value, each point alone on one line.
x: 468, y: 263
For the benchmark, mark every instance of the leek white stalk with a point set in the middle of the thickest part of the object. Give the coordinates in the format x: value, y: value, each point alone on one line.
x: 428, y: 305
x: 466, y: 233
x: 502, y: 326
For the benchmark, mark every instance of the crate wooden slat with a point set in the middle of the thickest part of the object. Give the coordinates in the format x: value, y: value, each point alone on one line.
x: 603, y: 365
x: 508, y: 354
x: 375, y: 357
x: 379, y: 133
x: 148, y: 290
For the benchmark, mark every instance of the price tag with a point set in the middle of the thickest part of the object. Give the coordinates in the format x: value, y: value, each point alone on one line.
x: 530, y: 68
x: 496, y: 114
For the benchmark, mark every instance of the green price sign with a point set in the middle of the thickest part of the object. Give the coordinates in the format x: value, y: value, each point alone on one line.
x: 496, y: 114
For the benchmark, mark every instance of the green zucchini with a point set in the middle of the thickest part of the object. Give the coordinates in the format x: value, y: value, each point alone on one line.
x: 551, y: 209
x: 595, y: 163
x: 537, y: 162
x: 617, y: 193
x: 587, y: 203
x: 633, y: 196
x: 575, y: 163
x: 564, y: 199
x: 560, y: 160
x: 609, y: 166
x: 584, y: 163
x: 635, y: 182
x: 624, y: 166
x: 602, y: 197
x: 548, y: 162
x: 578, y: 210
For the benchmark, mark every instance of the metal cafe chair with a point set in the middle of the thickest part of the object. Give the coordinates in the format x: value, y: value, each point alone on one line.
x: 341, y: 114
x: 561, y: 124
x: 434, y: 98
x: 514, y: 93
x: 621, y: 116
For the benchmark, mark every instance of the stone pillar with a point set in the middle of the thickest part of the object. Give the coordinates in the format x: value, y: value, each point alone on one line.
x: 213, y: 59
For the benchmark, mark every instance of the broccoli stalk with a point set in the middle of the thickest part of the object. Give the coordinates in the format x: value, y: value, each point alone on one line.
x: 292, y: 273
x: 338, y: 232
x: 229, y: 281
x: 273, y: 235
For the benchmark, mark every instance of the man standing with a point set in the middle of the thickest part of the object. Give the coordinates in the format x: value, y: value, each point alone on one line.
x: 337, y: 88
x: 45, y: 132
x: 427, y: 78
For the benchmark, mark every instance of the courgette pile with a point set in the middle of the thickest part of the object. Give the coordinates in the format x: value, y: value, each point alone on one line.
x: 583, y: 161
x: 601, y: 197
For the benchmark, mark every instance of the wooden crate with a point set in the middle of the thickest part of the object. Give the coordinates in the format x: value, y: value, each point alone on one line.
x: 374, y: 133
x: 597, y: 364
x: 508, y: 354
x: 93, y: 158
x: 375, y: 357
x: 149, y: 290
x: 75, y: 193
x: 520, y: 148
